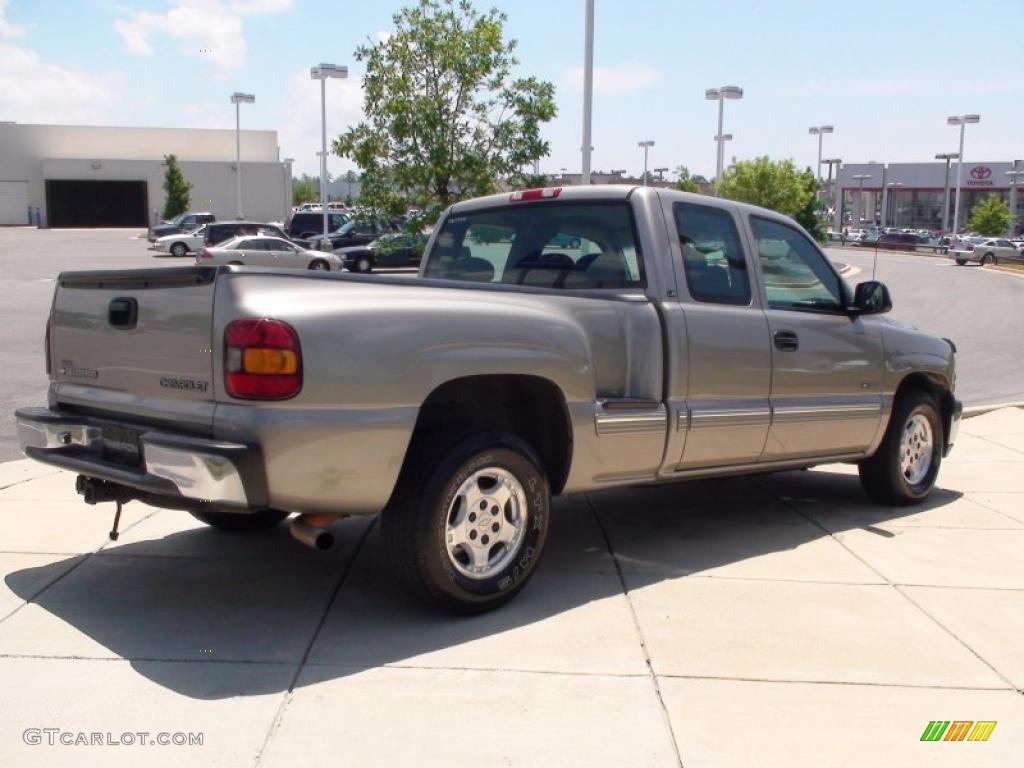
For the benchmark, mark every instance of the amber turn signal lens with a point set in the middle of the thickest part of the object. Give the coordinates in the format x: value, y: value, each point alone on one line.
x: 269, y: 361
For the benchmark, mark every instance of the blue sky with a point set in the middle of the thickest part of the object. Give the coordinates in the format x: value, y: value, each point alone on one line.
x: 885, y: 74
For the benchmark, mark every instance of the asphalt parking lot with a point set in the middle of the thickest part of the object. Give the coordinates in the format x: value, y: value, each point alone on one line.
x: 779, y: 620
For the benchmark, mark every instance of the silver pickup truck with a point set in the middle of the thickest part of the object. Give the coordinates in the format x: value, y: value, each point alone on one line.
x: 556, y: 341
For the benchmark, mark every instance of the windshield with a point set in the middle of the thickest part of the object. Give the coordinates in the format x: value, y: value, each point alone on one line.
x: 544, y: 245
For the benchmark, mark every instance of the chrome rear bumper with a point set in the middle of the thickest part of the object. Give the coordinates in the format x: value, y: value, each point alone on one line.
x: 168, y: 464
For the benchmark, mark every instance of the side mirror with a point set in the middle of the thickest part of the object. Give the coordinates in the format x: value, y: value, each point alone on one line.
x: 871, y: 298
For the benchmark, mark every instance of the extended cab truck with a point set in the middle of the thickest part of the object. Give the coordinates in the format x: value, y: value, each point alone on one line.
x: 682, y: 336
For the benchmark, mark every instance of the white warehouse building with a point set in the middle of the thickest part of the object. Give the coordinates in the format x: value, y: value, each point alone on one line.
x: 98, y: 176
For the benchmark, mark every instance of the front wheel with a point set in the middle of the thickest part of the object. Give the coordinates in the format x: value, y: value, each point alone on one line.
x: 906, y: 464
x: 319, y: 265
x: 364, y: 264
x: 179, y: 250
x: 241, y: 522
x: 466, y: 526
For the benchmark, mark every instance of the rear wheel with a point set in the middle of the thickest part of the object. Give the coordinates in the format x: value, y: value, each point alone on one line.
x: 179, y: 250
x: 467, y: 524
x: 961, y: 262
x: 906, y: 464
x: 241, y: 522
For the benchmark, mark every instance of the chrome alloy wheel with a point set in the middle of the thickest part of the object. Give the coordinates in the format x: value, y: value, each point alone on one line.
x: 486, y: 523
x: 917, y: 446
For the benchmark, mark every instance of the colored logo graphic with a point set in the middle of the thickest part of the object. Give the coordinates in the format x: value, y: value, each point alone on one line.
x: 980, y: 172
x: 958, y: 730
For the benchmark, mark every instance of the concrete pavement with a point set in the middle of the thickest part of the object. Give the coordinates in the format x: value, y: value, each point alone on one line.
x: 779, y: 620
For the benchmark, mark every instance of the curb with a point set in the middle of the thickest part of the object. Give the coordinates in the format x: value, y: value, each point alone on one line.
x: 979, y: 410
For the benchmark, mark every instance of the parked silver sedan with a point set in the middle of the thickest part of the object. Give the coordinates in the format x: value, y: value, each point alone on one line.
x: 265, y: 251
x: 984, y: 250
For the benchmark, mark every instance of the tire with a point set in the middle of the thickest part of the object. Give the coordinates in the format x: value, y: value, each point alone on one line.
x: 241, y: 522
x: 319, y: 265
x: 438, y: 487
x: 179, y: 250
x: 364, y: 264
x: 882, y: 476
x: 961, y: 262
x: 986, y: 259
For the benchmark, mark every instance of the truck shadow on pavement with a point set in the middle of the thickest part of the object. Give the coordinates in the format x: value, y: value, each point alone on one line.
x: 162, y: 595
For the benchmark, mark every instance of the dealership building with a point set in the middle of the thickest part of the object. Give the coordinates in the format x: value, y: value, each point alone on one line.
x: 96, y: 176
x: 913, y: 195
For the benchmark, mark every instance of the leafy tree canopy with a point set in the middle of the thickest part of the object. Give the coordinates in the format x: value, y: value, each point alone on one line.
x: 684, y: 181
x: 445, y: 118
x: 990, y: 217
x: 177, y: 191
x: 776, y: 185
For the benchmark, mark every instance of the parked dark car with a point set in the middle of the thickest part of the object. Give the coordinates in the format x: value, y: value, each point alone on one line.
x: 307, y: 224
x: 396, y: 250
x: 899, y: 241
x: 186, y: 222
x: 351, y: 233
x: 220, y: 231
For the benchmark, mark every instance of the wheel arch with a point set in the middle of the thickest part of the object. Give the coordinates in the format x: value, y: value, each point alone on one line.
x: 533, y: 407
x: 936, y: 385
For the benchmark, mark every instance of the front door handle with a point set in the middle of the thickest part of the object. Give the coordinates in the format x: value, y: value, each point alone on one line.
x: 786, y: 340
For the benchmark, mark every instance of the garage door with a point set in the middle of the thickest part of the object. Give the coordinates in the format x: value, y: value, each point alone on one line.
x: 80, y: 203
x: 13, y: 202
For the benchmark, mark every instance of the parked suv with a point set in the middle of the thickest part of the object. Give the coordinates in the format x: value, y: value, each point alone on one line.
x: 308, y: 224
x: 225, y: 230
x: 186, y: 222
x: 899, y: 241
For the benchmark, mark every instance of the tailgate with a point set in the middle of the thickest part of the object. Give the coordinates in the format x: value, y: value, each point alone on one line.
x: 136, y: 343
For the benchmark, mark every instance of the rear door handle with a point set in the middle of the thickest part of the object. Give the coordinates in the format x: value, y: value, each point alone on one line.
x: 786, y: 340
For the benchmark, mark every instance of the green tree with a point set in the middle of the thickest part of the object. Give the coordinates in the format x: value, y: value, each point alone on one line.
x: 812, y: 215
x: 990, y: 217
x: 176, y: 190
x: 445, y: 118
x: 305, y: 189
x: 684, y: 181
x: 777, y: 185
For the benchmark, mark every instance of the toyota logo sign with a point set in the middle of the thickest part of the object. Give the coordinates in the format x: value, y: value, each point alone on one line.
x: 981, y: 172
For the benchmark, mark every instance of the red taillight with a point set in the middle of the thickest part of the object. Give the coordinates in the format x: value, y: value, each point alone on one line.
x: 262, y: 359
x: 525, y: 195
x: 205, y: 254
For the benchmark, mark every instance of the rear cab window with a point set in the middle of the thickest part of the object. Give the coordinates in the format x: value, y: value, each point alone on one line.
x: 713, y: 259
x: 558, y: 245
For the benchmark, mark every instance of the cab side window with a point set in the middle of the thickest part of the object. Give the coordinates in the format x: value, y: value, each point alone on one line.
x: 796, y: 275
x: 713, y: 260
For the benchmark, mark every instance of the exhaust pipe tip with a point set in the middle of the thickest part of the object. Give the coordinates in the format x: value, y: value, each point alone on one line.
x: 312, y: 536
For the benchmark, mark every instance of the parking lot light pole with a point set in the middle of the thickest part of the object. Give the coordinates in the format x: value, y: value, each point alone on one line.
x: 322, y: 73
x: 720, y: 95
x: 588, y: 89
x: 238, y: 99
x: 661, y: 173
x: 947, y: 156
x: 962, y: 121
x: 645, y: 145
x: 819, y: 131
